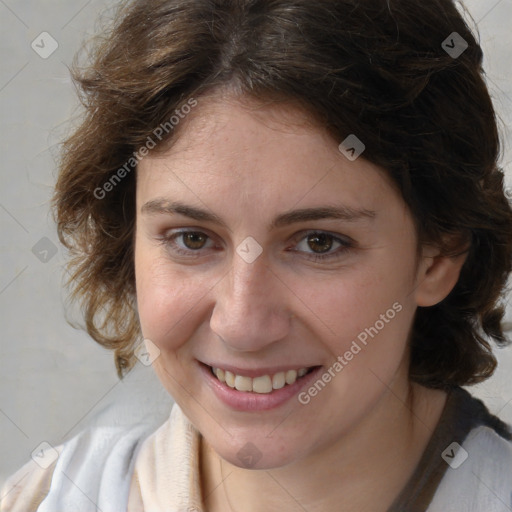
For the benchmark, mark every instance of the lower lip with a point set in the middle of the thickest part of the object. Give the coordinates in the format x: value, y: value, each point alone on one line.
x: 250, y: 401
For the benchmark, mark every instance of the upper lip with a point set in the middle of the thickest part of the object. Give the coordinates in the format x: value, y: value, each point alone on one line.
x: 256, y: 372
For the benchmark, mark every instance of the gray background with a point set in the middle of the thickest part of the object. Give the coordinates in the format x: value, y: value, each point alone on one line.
x: 54, y: 380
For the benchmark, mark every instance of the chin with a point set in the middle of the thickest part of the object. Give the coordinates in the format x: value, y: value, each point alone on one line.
x: 250, y: 452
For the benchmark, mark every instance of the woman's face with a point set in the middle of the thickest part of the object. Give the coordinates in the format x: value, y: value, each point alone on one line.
x: 262, y: 250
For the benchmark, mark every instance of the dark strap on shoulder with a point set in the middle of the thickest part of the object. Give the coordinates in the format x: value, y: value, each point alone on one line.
x: 461, y: 414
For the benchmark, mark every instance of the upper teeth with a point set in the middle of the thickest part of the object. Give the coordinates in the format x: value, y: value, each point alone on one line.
x: 261, y: 384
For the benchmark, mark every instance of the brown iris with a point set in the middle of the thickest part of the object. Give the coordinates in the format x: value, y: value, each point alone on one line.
x: 194, y: 240
x: 320, y: 242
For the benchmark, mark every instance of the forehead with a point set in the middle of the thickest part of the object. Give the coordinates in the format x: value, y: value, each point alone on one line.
x: 224, y: 128
x: 261, y: 153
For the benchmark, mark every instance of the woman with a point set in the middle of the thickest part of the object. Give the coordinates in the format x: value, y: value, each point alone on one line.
x: 297, y: 206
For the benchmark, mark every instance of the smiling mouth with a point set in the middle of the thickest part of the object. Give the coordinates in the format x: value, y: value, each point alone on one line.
x: 262, y: 384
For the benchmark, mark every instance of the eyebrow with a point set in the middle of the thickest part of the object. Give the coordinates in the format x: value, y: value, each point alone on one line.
x: 348, y: 214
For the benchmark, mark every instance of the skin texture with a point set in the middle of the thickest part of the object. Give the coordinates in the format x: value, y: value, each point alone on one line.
x: 247, y: 163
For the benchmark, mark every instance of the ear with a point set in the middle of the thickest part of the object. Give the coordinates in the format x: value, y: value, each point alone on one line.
x: 437, y: 275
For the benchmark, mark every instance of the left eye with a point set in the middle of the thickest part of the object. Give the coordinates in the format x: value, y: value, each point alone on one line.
x: 320, y: 243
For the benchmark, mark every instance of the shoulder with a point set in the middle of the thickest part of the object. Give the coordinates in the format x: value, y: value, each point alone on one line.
x: 24, y: 490
x: 479, y: 474
x: 94, y: 465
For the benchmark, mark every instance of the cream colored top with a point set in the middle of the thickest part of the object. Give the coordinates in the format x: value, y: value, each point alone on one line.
x: 120, y: 469
x: 112, y: 469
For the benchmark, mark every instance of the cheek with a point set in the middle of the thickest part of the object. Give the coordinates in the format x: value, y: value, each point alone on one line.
x: 363, y: 315
x: 169, y: 302
x: 354, y: 301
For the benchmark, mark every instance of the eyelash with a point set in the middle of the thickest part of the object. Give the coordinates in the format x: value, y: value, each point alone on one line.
x: 345, y: 244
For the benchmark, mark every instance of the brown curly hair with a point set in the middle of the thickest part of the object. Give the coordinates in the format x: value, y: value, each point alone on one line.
x: 375, y: 68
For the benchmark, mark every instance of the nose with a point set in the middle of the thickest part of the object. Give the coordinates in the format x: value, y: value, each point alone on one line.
x: 250, y: 307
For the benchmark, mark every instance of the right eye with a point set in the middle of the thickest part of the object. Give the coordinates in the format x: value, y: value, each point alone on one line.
x: 187, y: 242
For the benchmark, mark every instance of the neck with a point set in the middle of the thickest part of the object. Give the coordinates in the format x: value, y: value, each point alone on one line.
x: 379, y: 454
